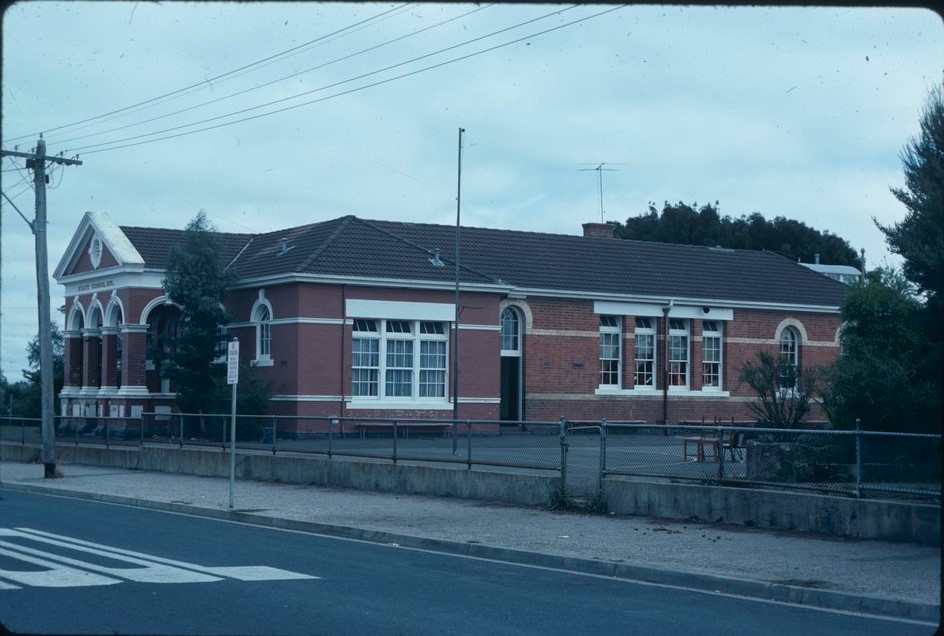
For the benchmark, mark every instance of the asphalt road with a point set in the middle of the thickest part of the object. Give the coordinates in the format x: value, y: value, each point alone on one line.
x: 77, y: 567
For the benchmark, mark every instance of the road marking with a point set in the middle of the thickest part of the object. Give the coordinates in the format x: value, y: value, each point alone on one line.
x: 55, y: 575
x: 64, y: 571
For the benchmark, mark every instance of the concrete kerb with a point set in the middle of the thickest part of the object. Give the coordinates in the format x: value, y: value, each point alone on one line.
x: 708, y: 583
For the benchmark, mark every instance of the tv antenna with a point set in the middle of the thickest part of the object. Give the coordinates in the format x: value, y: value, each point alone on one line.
x: 600, y: 170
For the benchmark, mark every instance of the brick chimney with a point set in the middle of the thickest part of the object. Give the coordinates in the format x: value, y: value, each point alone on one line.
x: 599, y: 230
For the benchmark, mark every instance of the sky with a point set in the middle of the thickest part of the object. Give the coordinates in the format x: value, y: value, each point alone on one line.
x: 271, y: 115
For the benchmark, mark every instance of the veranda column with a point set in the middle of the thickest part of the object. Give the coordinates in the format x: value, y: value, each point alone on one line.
x: 109, y: 379
x: 73, y: 359
x: 133, y: 358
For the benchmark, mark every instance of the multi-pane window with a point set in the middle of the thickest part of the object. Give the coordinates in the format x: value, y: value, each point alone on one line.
x: 711, y: 354
x: 365, y: 361
x: 645, y: 353
x: 263, y: 331
x: 398, y: 376
x: 409, y: 355
x: 510, y: 330
x: 433, y: 360
x: 610, y: 328
x: 678, y: 352
x: 789, y: 358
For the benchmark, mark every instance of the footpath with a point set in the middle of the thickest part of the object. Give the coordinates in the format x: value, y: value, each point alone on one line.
x: 873, y: 577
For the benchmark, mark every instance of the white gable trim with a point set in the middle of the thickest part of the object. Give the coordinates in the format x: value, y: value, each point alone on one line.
x: 114, y: 240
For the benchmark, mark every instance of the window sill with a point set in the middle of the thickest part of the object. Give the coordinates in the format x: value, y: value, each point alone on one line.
x: 262, y: 362
x: 384, y: 404
x: 704, y: 393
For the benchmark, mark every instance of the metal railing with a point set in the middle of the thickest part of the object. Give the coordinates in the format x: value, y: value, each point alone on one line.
x: 583, y: 454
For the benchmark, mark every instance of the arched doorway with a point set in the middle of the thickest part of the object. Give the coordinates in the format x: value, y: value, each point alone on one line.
x: 512, y: 367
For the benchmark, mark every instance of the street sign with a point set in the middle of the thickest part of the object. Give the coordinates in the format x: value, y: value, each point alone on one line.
x: 232, y: 362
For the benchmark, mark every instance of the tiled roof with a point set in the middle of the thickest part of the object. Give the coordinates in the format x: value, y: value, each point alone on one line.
x: 389, y: 250
x: 154, y: 244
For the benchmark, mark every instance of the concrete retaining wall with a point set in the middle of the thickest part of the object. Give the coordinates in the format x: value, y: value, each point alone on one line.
x: 440, y: 480
x: 880, y: 519
x: 777, y: 510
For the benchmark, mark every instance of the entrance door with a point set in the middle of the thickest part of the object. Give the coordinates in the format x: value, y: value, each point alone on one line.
x: 511, y: 365
x: 510, y: 389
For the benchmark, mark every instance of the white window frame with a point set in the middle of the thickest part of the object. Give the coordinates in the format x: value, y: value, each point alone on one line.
x: 611, y: 341
x: 679, y: 365
x: 712, y: 342
x: 789, y: 356
x: 510, y: 332
x: 262, y: 319
x: 427, y: 345
x: 645, y: 330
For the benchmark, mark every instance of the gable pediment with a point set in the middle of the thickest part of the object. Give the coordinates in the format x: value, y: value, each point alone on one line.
x: 97, y: 245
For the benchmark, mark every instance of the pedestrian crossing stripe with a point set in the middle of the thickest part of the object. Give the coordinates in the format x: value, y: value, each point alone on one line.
x: 57, y: 570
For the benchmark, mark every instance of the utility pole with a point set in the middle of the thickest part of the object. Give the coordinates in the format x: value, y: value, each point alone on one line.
x: 455, y: 345
x: 37, y: 162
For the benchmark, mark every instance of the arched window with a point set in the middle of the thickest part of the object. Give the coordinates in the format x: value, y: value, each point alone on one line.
x: 510, y: 332
x: 263, y: 320
x: 789, y: 357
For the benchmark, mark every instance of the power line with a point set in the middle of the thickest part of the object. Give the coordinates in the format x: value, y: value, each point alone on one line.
x: 206, y: 82
x: 275, y: 81
x: 86, y: 150
x: 315, y: 90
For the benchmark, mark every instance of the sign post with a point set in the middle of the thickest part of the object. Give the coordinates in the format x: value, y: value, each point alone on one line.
x: 232, y: 378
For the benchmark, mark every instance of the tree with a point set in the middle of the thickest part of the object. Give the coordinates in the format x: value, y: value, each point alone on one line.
x: 919, y: 238
x: 195, y: 281
x: 29, y: 396
x: 776, y: 406
x: 878, y: 377
x: 704, y: 225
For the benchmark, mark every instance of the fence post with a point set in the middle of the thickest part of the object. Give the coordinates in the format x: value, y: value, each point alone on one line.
x: 858, y: 448
x: 180, y: 429
x: 602, y: 456
x: 468, y: 437
x: 563, y: 461
x: 331, y: 423
x: 394, y: 441
x: 720, y: 452
x: 274, y: 433
x: 107, y: 426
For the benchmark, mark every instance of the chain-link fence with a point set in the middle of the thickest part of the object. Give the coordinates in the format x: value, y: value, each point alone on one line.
x: 582, y: 453
x: 848, y: 462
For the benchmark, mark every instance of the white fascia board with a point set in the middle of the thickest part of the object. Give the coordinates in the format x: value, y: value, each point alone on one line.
x: 523, y: 292
x: 652, y: 309
x: 396, y: 310
x: 662, y: 301
x: 110, y: 279
x: 395, y: 283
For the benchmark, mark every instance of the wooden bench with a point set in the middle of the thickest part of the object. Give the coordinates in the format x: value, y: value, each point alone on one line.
x: 403, y: 427
x: 731, y: 441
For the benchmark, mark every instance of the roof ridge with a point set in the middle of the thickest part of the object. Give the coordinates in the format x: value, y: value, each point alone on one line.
x: 345, y: 221
x: 252, y: 237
